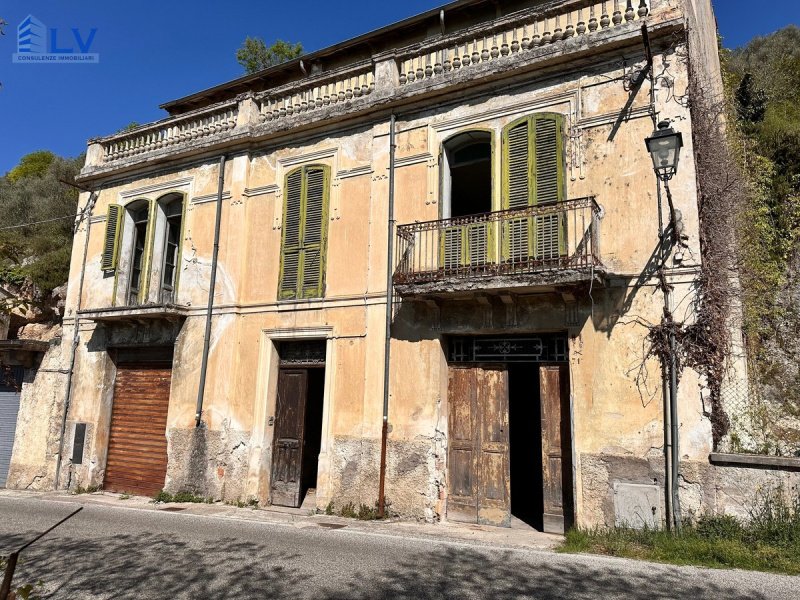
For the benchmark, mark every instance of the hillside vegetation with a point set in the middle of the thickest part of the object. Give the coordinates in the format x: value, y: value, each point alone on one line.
x: 763, y: 84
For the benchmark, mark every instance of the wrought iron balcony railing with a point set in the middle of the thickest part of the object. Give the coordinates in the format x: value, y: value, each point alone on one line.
x: 560, y: 241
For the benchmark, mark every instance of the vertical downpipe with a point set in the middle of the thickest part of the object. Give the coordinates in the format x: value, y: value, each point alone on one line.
x: 388, y: 340
x: 211, y: 285
x: 87, y: 214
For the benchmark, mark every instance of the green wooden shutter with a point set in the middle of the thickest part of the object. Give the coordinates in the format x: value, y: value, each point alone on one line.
x: 518, y: 166
x: 314, y: 231
x: 548, y: 159
x: 290, y: 251
x: 304, y: 233
x: 108, y: 262
x: 533, y: 173
x: 548, y: 181
x: 517, y: 189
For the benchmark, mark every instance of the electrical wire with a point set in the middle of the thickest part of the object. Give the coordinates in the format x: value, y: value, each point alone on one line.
x: 75, y: 216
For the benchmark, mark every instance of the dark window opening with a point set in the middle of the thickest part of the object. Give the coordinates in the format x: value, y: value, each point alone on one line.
x: 469, y: 180
x: 174, y: 215
x: 140, y: 218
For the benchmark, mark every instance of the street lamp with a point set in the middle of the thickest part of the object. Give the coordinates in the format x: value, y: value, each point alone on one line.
x: 665, y: 148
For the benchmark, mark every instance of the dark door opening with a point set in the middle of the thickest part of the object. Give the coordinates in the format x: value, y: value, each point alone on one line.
x: 298, y: 434
x: 525, y: 423
x: 510, y: 439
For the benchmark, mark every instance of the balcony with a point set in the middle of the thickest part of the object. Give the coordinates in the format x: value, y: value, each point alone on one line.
x: 543, y: 246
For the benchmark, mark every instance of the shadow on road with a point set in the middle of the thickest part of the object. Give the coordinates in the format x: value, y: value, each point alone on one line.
x: 152, y: 565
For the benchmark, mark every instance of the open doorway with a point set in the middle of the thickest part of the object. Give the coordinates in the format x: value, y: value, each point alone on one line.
x: 525, y: 425
x: 297, y: 438
x: 467, y: 174
x: 509, y: 432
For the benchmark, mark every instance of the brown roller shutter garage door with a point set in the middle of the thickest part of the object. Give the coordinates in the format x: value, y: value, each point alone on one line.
x: 137, y: 447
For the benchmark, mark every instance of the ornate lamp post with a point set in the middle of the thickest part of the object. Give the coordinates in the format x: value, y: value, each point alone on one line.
x: 665, y: 148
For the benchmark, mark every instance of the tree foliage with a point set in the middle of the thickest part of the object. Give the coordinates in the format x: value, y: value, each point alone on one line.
x: 30, y: 193
x: 254, y: 55
x: 762, y: 80
x: 34, y: 164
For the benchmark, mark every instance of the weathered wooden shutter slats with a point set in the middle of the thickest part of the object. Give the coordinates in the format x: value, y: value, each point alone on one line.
x: 547, y: 188
x: 108, y: 262
x: 534, y: 175
x: 292, y: 221
x: 518, y: 169
x: 305, y: 227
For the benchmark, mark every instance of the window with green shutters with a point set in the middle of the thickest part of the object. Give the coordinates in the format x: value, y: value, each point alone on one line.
x: 108, y: 261
x: 533, y: 174
x: 305, y: 219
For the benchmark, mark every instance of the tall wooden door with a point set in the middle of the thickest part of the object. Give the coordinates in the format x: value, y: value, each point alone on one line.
x: 478, y: 462
x: 137, y: 446
x: 287, y: 447
x: 556, y: 447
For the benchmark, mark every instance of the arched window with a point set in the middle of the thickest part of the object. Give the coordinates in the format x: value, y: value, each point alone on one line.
x: 171, y: 211
x: 467, y: 174
x: 305, y: 228
x: 138, y: 216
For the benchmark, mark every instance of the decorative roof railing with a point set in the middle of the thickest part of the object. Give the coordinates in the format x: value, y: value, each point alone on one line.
x: 171, y: 132
x: 480, y: 45
x: 508, y: 39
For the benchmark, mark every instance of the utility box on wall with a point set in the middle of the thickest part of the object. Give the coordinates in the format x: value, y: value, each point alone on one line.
x: 637, y: 505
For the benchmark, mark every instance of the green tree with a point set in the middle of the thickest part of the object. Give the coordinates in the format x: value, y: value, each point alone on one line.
x: 36, y: 228
x: 34, y: 164
x: 254, y: 55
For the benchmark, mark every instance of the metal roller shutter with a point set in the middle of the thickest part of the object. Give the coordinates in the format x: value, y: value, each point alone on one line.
x: 9, y: 408
x: 137, y: 447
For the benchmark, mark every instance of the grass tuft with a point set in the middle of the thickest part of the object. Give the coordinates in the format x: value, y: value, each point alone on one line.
x: 768, y: 541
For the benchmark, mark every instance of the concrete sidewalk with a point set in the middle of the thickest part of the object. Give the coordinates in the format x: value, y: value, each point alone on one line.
x: 519, y: 535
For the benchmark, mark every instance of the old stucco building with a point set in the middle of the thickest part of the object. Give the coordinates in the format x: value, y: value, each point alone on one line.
x: 525, y: 215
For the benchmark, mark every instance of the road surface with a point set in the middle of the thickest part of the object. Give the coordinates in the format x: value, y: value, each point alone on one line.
x: 113, y: 552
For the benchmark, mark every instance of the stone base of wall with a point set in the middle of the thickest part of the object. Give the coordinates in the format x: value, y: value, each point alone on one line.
x: 36, y: 444
x: 718, y: 486
x: 214, y: 464
x: 210, y: 463
x: 413, y: 479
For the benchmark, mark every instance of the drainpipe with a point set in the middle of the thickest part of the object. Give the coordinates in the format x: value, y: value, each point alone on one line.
x: 212, y: 284
x: 87, y: 214
x: 673, y: 417
x: 388, y: 339
x: 670, y: 387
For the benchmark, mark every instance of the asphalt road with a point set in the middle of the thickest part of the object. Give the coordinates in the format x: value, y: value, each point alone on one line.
x: 109, y: 552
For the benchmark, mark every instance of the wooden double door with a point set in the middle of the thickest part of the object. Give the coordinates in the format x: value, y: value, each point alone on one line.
x: 479, y: 449
x: 297, y: 437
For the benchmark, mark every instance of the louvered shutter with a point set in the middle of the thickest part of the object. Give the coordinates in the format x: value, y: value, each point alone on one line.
x: 518, y: 169
x: 108, y: 262
x: 533, y: 174
x: 518, y: 189
x: 548, y: 184
x: 314, y: 226
x: 304, y: 233
x: 290, y: 255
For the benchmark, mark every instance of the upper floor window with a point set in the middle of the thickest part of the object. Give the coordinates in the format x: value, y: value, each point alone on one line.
x: 172, y: 210
x: 142, y: 248
x: 467, y: 174
x: 139, y: 217
x: 305, y: 220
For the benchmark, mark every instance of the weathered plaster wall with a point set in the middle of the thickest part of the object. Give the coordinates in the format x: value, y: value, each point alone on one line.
x: 616, y: 395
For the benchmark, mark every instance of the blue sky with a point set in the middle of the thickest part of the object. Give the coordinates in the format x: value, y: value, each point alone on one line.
x: 152, y: 52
